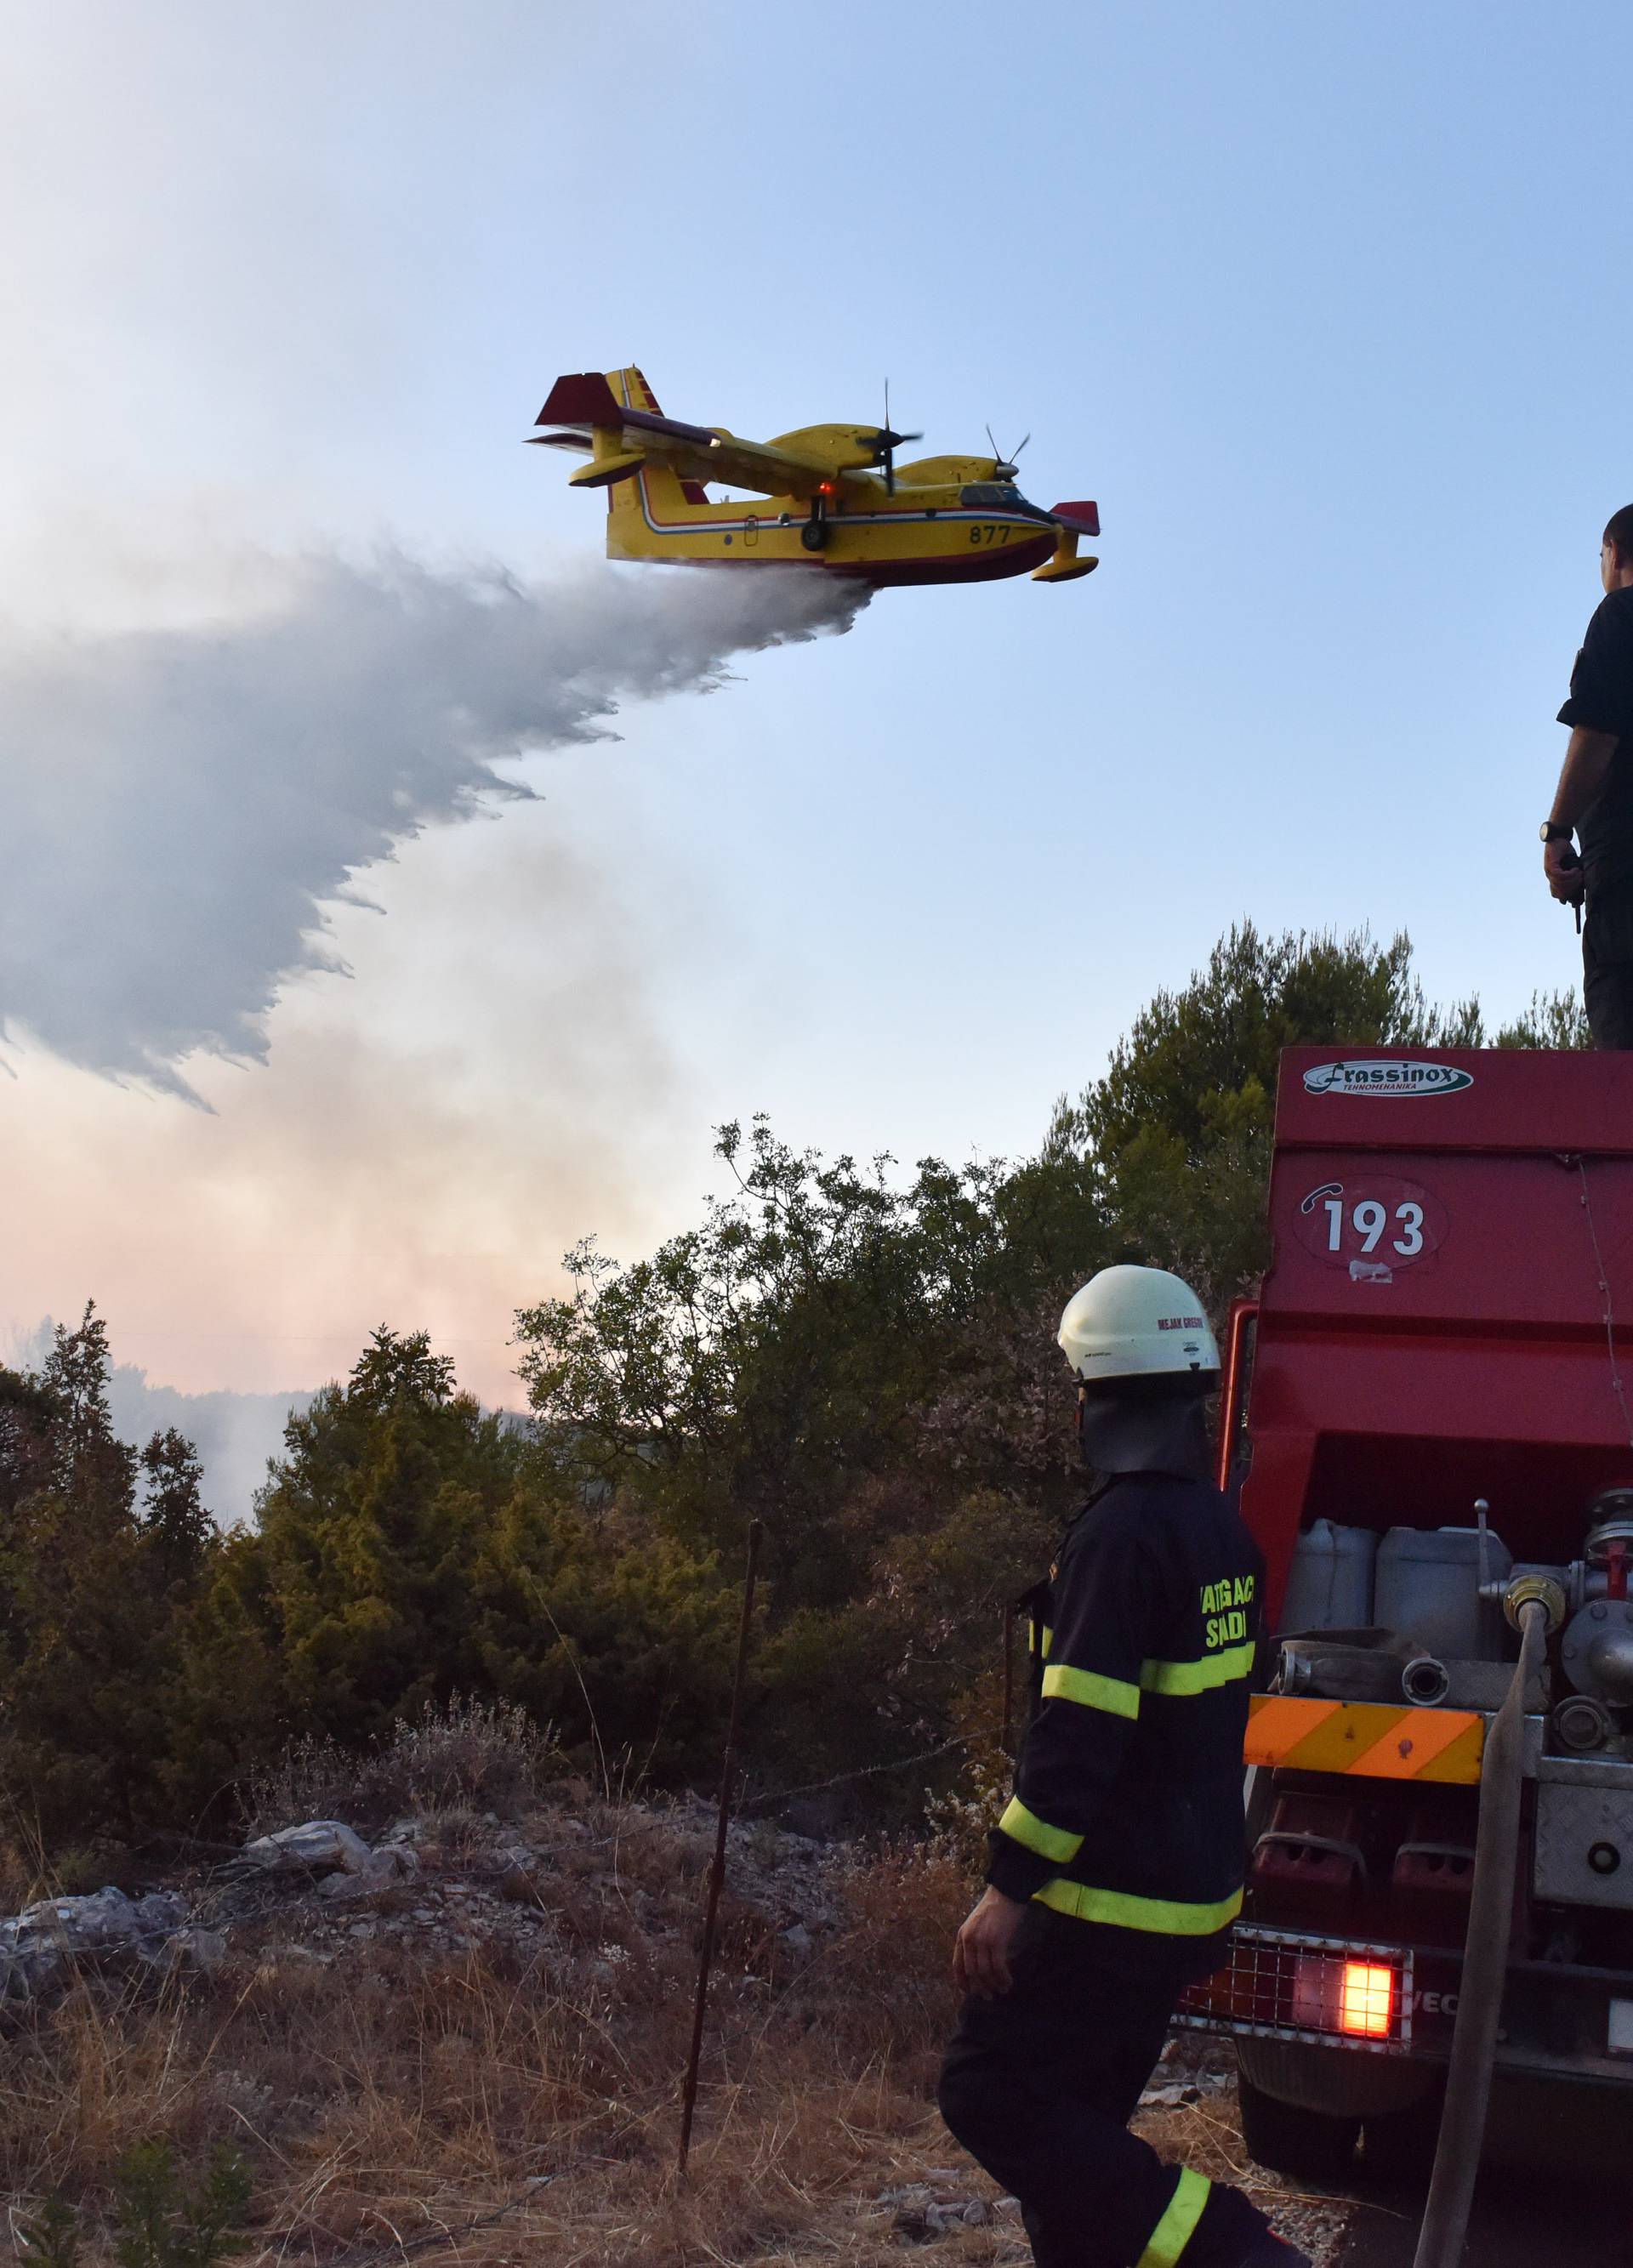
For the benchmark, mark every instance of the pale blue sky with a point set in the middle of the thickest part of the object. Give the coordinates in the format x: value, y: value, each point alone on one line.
x: 1329, y: 307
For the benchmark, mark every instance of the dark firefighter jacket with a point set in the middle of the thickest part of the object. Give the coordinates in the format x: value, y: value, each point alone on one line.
x: 1128, y: 1810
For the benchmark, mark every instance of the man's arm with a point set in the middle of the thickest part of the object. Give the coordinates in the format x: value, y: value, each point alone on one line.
x: 1582, y: 780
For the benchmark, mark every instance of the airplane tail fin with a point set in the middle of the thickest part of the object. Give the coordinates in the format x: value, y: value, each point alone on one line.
x: 630, y: 388
x: 658, y: 494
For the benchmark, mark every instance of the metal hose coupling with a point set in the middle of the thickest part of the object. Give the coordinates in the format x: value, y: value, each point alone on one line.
x: 1535, y: 1590
x: 1425, y: 1681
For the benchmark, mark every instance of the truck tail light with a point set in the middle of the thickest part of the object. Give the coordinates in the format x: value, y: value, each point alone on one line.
x: 1356, y: 1997
x: 1367, y: 2004
x: 1281, y: 1983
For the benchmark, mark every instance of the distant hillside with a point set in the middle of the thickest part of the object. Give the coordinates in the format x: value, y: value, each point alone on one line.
x: 233, y: 1433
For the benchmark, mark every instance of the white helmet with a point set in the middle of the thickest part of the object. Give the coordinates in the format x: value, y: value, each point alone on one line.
x: 1136, y: 1323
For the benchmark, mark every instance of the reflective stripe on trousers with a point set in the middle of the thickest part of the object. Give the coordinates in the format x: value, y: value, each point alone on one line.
x: 1173, y: 2232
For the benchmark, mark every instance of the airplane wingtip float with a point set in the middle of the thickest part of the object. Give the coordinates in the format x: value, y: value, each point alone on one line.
x: 834, y: 496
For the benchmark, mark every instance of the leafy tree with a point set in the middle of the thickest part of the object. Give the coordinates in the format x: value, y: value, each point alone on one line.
x: 408, y: 1548
x: 866, y: 1360
x: 350, y: 1602
x: 621, y: 1638
x: 889, y: 1673
x: 768, y: 1362
x: 1178, y: 1129
x: 827, y: 1332
x: 1200, y: 1061
x: 862, y: 1355
x: 393, y: 1370
x: 1553, y: 1020
x: 93, y: 1597
x: 93, y: 1469
x: 179, y: 1530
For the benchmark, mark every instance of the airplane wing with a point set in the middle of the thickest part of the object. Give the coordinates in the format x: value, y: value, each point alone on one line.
x: 583, y: 404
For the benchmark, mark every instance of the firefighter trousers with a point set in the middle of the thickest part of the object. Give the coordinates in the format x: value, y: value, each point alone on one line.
x: 1039, y: 2087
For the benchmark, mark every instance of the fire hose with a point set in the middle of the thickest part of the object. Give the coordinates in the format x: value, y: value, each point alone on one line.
x: 1532, y: 1605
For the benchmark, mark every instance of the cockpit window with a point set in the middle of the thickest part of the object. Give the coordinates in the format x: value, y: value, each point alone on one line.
x: 991, y: 492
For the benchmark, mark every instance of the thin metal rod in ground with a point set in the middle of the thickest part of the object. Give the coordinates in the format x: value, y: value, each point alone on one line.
x: 1009, y: 1678
x: 716, y: 1871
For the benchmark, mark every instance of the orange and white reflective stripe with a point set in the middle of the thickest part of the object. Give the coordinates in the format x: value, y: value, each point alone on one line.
x: 1375, y: 1740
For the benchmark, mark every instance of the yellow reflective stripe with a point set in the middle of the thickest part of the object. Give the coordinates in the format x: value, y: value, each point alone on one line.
x: 1177, y: 2226
x: 1202, y: 1676
x: 1045, y: 1637
x: 1060, y: 1682
x: 1025, y: 1827
x: 1162, y: 1917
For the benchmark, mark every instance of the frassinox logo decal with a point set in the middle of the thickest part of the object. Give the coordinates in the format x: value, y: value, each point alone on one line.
x: 1379, y: 1078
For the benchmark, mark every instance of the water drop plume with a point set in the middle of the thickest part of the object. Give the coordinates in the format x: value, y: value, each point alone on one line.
x: 182, y: 803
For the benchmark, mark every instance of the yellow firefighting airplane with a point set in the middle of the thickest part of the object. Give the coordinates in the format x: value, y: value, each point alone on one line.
x: 835, y: 497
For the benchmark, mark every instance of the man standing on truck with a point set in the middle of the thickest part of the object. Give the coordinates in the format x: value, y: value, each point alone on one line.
x: 1116, y: 1872
x: 1594, y: 798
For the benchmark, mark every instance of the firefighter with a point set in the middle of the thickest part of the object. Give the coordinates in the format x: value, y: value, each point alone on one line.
x: 1594, y: 798
x: 1116, y: 1869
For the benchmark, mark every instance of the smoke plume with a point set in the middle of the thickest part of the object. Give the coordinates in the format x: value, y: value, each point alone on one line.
x: 181, y: 805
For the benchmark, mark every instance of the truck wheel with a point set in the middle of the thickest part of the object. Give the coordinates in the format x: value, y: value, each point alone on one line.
x: 1400, y: 2144
x: 1310, y: 2144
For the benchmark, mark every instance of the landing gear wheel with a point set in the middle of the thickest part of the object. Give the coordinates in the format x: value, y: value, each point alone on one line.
x: 814, y: 534
x: 1311, y: 2145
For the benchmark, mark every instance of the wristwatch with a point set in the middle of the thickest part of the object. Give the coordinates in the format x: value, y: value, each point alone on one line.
x: 1551, y: 831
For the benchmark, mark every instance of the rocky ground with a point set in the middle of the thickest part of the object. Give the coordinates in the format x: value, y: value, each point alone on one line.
x: 463, y: 2035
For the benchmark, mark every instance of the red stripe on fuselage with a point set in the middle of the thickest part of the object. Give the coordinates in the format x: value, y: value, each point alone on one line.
x: 955, y: 567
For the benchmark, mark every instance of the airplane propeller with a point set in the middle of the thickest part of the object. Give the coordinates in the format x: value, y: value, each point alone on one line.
x: 886, y: 442
x: 1004, y: 468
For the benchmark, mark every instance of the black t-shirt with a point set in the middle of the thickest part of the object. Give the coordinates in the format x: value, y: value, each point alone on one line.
x: 1601, y: 698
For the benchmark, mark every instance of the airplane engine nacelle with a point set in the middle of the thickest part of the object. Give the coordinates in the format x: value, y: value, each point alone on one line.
x: 843, y: 448
x: 946, y: 472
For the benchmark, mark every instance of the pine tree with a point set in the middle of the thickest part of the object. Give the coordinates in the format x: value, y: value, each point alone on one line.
x: 93, y: 1596
x: 178, y: 1529
x: 352, y: 1592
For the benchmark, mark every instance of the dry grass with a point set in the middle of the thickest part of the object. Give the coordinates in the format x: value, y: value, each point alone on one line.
x: 515, y: 2098
x: 510, y: 2106
x: 486, y: 1755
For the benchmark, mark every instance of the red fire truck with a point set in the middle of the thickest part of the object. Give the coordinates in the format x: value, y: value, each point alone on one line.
x: 1428, y: 1415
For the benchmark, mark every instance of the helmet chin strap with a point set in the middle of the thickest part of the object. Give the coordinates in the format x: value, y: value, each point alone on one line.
x: 1132, y: 1428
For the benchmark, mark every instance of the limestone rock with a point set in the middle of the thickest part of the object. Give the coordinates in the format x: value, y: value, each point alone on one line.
x: 380, y: 1870
x: 195, y: 1952
x: 40, y: 1944
x: 318, y: 1847
x: 919, y: 2212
